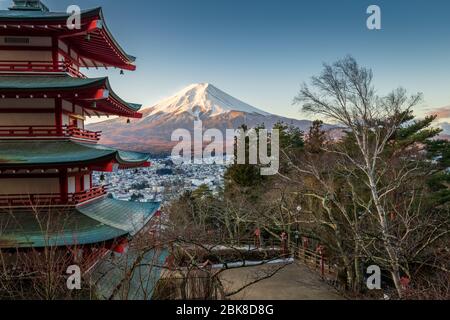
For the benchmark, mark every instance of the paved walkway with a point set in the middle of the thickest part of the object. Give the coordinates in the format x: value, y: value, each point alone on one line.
x: 294, y: 282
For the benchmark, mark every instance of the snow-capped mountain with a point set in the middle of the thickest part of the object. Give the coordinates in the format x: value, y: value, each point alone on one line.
x: 203, y: 99
x: 205, y: 102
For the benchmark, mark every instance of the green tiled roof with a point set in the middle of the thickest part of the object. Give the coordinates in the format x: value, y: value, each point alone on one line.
x: 123, y: 157
x: 112, y: 279
x: 7, y: 16
x: 128, y: 216
x: 43, y: 15
x: 66, y: 227
x: 39, y: 83
x: 134, y: 106
x: 77, y: 226
x: 47, y: 82
x: 41, y: 152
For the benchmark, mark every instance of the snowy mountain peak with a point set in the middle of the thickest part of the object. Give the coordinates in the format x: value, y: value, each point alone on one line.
x: 216, y: 109
x: 202, y: 99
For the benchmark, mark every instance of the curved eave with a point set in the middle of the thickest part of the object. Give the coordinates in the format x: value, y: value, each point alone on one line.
x: 77, y: 90
x: 65, y: 228
x: 129, y: 59
x: 126, y: 158
x: 54, y: 154
x: 101, y: 221
x: 113, y: 106
x: 93, y: 22
x: 123, y: 215
x: 133, y: 107
x: 113, y: 55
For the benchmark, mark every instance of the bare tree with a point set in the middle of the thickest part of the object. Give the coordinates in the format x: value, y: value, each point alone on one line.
x: 28, y: 272
x: 344, y: 94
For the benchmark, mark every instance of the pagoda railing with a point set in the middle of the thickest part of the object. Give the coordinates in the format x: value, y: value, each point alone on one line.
x: 71, y: 199
x: 40, y: 67
x: 48, y: 131
x: 84, y: 196
x: 82, y: 133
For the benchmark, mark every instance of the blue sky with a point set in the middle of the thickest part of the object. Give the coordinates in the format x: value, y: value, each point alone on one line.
x: 261, y: 51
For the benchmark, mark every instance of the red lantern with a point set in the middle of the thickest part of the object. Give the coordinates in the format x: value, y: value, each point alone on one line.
x: 121, y: 247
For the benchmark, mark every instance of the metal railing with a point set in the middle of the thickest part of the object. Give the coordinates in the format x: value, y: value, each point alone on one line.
x: 303, y: 251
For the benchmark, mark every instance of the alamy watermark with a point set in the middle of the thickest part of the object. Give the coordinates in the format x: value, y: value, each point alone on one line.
x: 74, y: 277
x: 374, y: 20
x: 374, y: 280
x: 74, y: 19
x: 193, y: 150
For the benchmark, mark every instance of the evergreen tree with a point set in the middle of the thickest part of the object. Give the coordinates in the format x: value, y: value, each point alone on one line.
x: 244, y: 175
x: 439, y: 155
x: 202, y: 192
x: 291, y: 145
x: 316, y: 137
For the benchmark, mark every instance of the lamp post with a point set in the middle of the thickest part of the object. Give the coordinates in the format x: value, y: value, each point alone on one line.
x: 297, y: 237
x: 297, y: 232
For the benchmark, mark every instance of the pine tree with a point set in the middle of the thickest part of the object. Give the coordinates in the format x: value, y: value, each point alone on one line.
x: 244, y: 175
x: 316, y: 137
x: 439, y: 155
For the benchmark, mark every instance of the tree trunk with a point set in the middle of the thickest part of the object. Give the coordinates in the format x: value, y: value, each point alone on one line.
x: 392, y: 254
x: 357, y: 267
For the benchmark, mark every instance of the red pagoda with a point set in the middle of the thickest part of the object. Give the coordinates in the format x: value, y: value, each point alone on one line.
x: 47, y: 157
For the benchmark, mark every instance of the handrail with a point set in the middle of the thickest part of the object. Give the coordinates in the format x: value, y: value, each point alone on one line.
x: 14, y: 200
x: 40, y: 66
x: 90, y: 194
x: 49, y: 131
x: 82, y: 133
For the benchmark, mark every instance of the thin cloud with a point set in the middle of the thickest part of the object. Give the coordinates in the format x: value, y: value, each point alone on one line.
x: 442, y: 112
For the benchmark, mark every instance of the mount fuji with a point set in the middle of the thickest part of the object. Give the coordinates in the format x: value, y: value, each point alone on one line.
x: 203, y: 100
x: 217, y: 109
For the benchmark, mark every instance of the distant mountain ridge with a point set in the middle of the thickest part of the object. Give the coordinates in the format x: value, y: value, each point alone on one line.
x: 205, y: 102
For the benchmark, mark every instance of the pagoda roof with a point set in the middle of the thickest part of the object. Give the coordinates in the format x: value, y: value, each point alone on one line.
x: 78, y: 90
x: 101, y: 50
x: 128, y: 216
x: 100, y: 221
x: 143, y: 272
x: 47, y: 82
x: 45, y: 153
x: 38, y: 15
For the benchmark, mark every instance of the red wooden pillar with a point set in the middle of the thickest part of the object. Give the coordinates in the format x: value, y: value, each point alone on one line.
x: 59, y: 116
x: 63, y: 185
x: 79, y: 182
x: 55, y: 46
